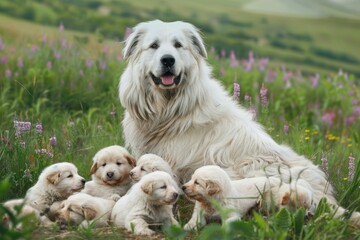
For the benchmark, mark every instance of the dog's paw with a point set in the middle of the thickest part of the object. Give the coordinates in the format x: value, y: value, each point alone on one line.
x: 146, y: 231
x: 115, y: 197
x: 190, y: 226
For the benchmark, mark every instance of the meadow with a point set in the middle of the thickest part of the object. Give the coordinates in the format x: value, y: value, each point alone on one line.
x: 59, y: 102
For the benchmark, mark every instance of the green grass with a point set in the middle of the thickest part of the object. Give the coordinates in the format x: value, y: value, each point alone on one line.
x: 73, y: 101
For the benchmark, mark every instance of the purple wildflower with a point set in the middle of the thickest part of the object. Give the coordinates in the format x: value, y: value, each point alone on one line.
x: 263, y: 95
x: 102, y: 65
x: 351, y: 92
x: 351, y: 172
x: 329, y: 118
x: 20, y: 62
x: 325, y: 165
x: 247, y: 97
x: 236, y: 95
x: 34, y: 48
x: 45, y: 152
x: 287, y: 76
x: 351, y: 119
x: 3, y: 59
x: 249, y: 63
x: 357, y: 110
x: 286, y: 128
x: 57, y: 55
x: 223, y: 53
x: 89, y: 63
x: 38, y: 128
x: 81, y: 73
x: 263, y: 62
x: 315, y: 80
x: 222, y: 71
x: 49, y: 64
x: 64, y: 43
x: 271, y: 75
x: 354, y: 102
x: 21, y: 127
x: 61, y: 27
x: 53, y: 141
x: 233, y: 61
x: 8, y: 73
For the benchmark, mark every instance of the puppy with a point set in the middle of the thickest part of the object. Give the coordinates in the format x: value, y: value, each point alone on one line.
x: 84, y: 210
x: 110, y: 173
x: 150, y: 201
x: 148, y: 163
x: 241, y: 195
x: 56, y: 183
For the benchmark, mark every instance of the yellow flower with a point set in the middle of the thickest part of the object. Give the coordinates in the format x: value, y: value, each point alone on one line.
x: 307, y: 138
x: 345, y: 178
x: 349, y: 145
x: 307, y: 131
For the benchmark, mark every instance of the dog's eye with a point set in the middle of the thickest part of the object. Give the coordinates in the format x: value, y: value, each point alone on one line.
x: 118, y: 163
x: 142, y: 169
x: 163, y: 187
x: 196, y: 182
x: 177, y: 45
x: 154, y: 45
x: 104, y: 165
x: 70, y: 176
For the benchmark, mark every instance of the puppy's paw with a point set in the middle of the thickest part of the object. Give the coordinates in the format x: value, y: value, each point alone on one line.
x: 115, y: 197
x: 146, y: 231
x: 190, y: 226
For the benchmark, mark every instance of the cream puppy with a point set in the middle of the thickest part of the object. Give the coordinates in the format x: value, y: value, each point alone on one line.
x: 148, y: 163
x: 56, y: 183
x: 83, y: 209
x: 110, y: 173
x: 150, y: 201
x: 241, y: 195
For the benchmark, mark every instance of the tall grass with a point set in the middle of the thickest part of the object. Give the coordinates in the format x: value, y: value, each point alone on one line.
x: 59, y: 102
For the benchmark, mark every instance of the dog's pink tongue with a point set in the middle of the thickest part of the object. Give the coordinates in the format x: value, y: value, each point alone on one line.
x: 168, y: 79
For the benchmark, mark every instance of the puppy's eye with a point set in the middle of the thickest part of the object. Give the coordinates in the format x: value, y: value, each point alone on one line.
x: 118, y: 163
x: 104, y: 165
x: 70, y: 176
x: 163, y: 187
x: 196, y: 182
x: 177, y: 45
x: 142, y: 169
x: 154, y: 45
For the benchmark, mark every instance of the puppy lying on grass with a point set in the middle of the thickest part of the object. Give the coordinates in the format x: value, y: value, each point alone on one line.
x: 110, y: 173
x: 148, y: 163
x: 149, y: 202
x: 212, y: 182
x: 84, y: 210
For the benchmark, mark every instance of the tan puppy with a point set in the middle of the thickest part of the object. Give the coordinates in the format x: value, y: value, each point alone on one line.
x: 83, y: 209
x: 148, y: 163
x: 149, y: 201
x: 212, y: 182
x: 56, y: 183
x: 110, y: 173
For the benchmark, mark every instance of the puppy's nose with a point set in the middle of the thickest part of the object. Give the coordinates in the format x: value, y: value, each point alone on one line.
x: 110, y: 174
x: 83, y: 181
x: 183, y: 187
x: 175, y: 195
x: 131, y: 174
x: 168, y: 60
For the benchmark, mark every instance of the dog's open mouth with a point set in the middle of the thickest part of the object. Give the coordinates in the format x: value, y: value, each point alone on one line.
x: 168, y: 79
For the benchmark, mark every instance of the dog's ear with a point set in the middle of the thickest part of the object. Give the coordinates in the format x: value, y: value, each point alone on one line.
x: 89, y: 213
x: 93, y: 168
x: 131, y: 160
x: 75, y: 208
x: 54, y: 178
x: 194, y: 35
x: 285, y: 199
x: 131, y: 42
x: 147, y: 187
x: 212, y: 188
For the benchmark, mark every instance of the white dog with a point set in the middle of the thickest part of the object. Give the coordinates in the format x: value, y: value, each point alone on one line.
x: 149, y: 202
x: 56, y: 183
x: 175, y: 109
x: 110, y: 173
x: 148, y: 163
x: 84, y: 210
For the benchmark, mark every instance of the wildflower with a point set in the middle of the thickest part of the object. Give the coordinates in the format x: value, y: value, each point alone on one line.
x: 263, y: 95
x: 89, y: 63
x: 233, y: 61
x: 351, y: 172
x: 271, y: 75
x: 325, y: 164
x: 286, y: 128
x: 102, y: 65
x: 64, y: 43
x: 8, y: 73
x: 128, y: 32
x: 57, y: 55
x: 236, y: 91
x: 247, y: 97
x: 34, y: 48
x: 3, y: 59
x: 351, y: 119
x: 354, y: 102
x: 20, y: 62
x: 21, y: 127
x: 38, y: 128
x: 263, y: 62
x: 45, y: 152
x: 249, y: 63
x: 328, y: 118
x: 105, y: 50
x: 351, y: 92
x: 61, y: 27
x: 49, y: 64
x: 307, y: 138
x: 223, y: 53
x: 53, y: 141
x: 287, y: 76
x: 315, y: 80
x: 44, y: 39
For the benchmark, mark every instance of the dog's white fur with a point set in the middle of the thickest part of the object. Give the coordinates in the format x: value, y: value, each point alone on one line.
x: 148, y: 163
x: 83, y: 209
x: 56, y: 183
x: 116, y: 162
x: 195, y: 122
x: 148, y: 202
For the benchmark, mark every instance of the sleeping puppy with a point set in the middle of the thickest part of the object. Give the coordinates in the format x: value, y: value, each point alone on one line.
x: 56, y: 183
x: 241, y: 195
x: 110, y: 173
x: 83, y: 209
x: 148, y: 163
x: 149, y: 202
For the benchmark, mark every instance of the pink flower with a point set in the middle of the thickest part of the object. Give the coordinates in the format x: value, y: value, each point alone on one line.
x: 105, y: 50
x: 61, y: 27
x: 8, y: 73
x: 263, y: 95
x: 271, y: 75
x: 3, y: 59
x: 34, y: 48
x: 236, y: 91
x: 263, y: 62
x: 222, y: 71
x: 329, y: 118
x: 89, y: 63
x: 49, y: 65
x: 20, y: 63
x: 223, y: 53
x: 354, y: 102
x: 57, y: 55
x: 53, y: 141
x: 286, y: 128
x: 233, y: 61
x: 247, y: 97
x: 315, y: 80
x: 38, y: 128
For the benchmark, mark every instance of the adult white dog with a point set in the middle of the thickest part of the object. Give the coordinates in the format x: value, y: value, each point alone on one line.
x: 175, y: 109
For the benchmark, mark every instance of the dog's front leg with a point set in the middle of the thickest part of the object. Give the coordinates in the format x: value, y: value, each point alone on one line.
x: 139, y: 226
x: 197, y: 219
x: 234, y: 216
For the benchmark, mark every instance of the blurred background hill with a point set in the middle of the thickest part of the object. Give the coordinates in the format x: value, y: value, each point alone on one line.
x: 314, y: 36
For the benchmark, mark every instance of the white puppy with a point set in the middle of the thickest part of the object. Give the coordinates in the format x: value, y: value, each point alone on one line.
x: 84, y: 210
x: 148, y: 163
x: 212, y: 182
x: 110, y: 173
x: 177, y: 110
x: 56, y: 183
x: 149, y: 202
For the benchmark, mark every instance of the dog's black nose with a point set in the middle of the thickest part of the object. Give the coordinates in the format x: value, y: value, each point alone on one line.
x: 110, y: 174
x: 168, y: 60
x: 131, y: 173
x: 83, y: 181
x: 183, y: 187
x: 175, y: 195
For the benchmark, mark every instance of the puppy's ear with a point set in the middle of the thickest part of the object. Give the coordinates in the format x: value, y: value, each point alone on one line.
x: 212, y: 188
x: 194, y: 35
x: 131, y: 160
x: 285, y: 199
x: 89, y: 213
x: 75, y: 208
x: 54, y: 178
x: 93, y: 168
x: 132, y: 42
x: 147, y: 187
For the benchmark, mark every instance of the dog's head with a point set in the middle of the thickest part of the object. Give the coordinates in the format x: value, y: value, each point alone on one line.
x: 159, y: 188
x: 111, y: 165
x: 148, y: 163
x: 62, y: 178
x: 206, y: 182
x: 166, y: 52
